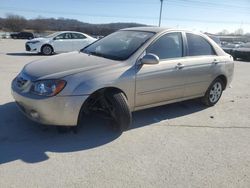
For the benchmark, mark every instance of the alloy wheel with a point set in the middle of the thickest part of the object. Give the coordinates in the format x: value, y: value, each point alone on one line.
x: 215, y: 92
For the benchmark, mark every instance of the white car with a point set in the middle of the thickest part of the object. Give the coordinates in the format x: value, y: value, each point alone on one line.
x: 58, y: 42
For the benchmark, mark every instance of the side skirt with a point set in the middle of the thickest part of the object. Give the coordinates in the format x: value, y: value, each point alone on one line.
x: 167, y: 102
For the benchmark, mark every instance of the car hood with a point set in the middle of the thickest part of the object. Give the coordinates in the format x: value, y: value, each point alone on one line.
x: 39, y: 39
x: 65, y: 64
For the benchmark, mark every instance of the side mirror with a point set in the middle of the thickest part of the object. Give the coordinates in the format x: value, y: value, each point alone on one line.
x: 150, y: 59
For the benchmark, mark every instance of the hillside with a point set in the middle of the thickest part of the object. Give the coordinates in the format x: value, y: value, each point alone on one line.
x: 17, y: 23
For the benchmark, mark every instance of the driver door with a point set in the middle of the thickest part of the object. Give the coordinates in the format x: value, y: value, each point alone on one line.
x: 164, y: 81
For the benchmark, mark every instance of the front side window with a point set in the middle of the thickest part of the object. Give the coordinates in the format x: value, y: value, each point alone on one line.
x: 197, y: 45
x: 63, y: 36
x: 167, y: 46
x: 119, y: 45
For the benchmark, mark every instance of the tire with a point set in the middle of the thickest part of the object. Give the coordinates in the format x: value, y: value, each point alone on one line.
x: 47, y: 50
x: 213, y: 93
x: 121, y: 112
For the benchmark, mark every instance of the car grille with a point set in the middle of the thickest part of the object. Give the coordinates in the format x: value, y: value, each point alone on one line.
x: 21, y: 82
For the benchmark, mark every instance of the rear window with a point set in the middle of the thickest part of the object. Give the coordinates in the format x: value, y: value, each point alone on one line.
x: 198, y: 46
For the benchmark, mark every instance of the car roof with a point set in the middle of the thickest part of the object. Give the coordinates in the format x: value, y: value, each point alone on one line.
x: 147, y: 29
x: 155, y: 29
x: 69, y: 32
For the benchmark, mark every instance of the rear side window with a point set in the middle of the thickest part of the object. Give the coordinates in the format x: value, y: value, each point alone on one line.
x: 167, y: 46
x: 197, y: 45
x: 77, y: 36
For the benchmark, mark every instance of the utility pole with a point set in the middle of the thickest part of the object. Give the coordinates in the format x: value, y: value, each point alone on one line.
x: 160, y: 13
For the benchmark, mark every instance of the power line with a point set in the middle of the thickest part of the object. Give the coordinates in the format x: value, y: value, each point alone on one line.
x: 214, y: 4
x: 213, y: 8
x: 186, y: 2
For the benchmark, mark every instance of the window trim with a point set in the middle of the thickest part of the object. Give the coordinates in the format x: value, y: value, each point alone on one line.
x: 166, y: 33
x: 186, y: 45
x: 63, y: 38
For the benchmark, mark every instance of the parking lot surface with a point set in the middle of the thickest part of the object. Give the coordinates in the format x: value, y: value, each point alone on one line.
x: 178, y: 145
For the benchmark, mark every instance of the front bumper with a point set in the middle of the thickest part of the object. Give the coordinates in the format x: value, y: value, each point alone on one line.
x: 32, y: 47
x: 57, y: 110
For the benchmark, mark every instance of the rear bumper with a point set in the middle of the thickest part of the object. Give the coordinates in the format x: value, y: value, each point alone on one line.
x: 58, y: 110
x: 242, y: 54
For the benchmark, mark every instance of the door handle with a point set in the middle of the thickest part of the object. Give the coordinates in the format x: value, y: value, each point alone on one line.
x: 179, y: 66
x: 216, y: 61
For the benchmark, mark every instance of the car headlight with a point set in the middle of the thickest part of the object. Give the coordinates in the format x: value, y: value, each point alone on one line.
x: 33, y: 42
x: 48, y: 87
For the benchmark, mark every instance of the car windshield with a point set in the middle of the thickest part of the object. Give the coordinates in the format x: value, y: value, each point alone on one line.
x: 119, y: 45
x: 52, y: 35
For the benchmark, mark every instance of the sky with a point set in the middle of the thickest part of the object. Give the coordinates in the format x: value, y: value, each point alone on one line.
x: 198, y: 15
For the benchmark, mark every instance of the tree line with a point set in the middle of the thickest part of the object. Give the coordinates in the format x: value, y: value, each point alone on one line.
x: 16, y: 23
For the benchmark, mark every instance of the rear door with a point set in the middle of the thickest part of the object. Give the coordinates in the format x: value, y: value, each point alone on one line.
x: 79, y: 41
x: 200, y: 65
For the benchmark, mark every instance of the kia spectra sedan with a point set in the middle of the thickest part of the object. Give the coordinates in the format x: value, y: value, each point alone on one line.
x: 63, y: 41
x: 126, y: 71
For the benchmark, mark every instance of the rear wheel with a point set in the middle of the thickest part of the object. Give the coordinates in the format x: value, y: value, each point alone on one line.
x: 47, y: 50
x: 213, y: 93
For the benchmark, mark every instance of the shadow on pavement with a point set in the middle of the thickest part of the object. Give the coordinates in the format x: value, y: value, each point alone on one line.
x: 161, y: 113
x: 22, y: 139
x: 24, y: 54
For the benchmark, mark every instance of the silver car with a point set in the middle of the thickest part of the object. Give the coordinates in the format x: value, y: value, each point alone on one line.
x: 129, y: 70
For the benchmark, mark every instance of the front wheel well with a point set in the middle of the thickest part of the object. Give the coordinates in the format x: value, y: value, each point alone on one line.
x: 94, y: 96
x: 46, y: 45
x: 106, y: 90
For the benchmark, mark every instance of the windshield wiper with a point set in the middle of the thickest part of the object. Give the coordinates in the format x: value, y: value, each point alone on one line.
x: 101, y: 55
x: 92, y: 53
x: 96, y: 54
